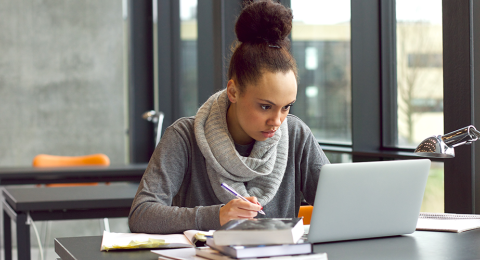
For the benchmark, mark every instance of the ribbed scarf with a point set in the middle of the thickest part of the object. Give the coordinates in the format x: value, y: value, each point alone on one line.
x: 263, y: 169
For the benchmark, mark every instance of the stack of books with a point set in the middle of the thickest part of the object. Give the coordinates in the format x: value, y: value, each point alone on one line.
x: 264, y: 237
x: 272, y: 238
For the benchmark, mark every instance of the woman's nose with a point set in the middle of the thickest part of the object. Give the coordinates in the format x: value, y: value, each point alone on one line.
x: 276, y: 119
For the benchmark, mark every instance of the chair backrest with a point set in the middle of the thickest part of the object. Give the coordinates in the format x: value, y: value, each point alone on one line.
x: 306, y: 213
x: 46, y: 160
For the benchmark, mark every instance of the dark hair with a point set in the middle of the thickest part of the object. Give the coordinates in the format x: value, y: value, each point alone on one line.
x: 262, y: 29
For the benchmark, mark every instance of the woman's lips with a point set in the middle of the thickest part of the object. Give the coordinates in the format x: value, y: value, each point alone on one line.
x: 268, y: 134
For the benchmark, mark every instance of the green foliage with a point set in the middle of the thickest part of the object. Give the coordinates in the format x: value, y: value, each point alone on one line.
x: 433, y: 200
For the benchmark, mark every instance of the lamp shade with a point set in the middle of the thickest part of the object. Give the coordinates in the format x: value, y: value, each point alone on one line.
x: 434, y: 146
x: 442, y: 146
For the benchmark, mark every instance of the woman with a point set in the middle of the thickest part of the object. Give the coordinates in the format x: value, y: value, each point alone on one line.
x: 242, y: 136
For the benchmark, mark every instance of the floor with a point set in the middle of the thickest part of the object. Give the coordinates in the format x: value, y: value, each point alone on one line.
x: 49, y: 254
x: 64, y: 228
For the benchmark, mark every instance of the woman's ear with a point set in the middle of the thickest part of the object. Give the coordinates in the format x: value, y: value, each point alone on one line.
x: 232, y: 91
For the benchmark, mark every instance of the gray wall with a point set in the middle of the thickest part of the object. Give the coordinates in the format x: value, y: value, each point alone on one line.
x: 61, y: 79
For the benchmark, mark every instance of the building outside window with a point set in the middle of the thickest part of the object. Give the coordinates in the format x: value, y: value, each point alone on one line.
x: 188, y: 61
x: 321, y: 46
x: 420, y: 84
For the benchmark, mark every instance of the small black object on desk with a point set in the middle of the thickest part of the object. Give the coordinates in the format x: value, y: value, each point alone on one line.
x: 59, y: 203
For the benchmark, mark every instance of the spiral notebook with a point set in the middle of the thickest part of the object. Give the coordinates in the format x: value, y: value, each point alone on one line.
x: 448, y: 222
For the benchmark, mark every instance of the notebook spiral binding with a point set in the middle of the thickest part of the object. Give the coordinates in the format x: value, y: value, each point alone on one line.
x: 447, y: 216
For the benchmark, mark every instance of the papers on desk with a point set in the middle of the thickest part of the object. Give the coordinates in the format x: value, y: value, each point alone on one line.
x: 202, y: 253
x: 185, y: 254
x: 113, y: 241
x: 448, y: 222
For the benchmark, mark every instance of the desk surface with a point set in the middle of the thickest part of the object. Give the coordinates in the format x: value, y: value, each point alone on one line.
x: 32, y: 175
x: 79, y: 248
x: 65, y: 198
x: 419, y: 245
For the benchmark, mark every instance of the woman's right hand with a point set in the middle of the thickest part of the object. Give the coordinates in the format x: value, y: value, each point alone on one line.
x: 238, y: 209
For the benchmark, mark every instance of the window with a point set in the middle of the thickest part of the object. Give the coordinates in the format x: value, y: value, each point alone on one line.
x: 419, y: 70
x: 425, y: 60
x: 359, y: 108
x: 434, y: 196
x: 188, y: 61
x: 334, y: 157
x: 420, y: 84
x: 321, y: 47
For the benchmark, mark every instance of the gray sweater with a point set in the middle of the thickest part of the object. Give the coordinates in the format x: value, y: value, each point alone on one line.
x: 175, y: 193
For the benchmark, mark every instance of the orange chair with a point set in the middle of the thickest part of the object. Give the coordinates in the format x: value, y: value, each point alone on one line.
x: 306, y: 213
x: 46, y: 160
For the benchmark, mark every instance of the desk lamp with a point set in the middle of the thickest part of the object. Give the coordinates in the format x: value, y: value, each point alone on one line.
x: 441, y: 146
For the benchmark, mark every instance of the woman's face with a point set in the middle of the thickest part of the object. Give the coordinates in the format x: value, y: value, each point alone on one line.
x: 258, y: 111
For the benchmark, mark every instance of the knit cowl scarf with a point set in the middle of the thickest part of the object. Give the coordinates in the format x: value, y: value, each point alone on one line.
x: 259, y: 174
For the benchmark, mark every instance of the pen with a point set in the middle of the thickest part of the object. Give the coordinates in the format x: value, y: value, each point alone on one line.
x: 229, y: 189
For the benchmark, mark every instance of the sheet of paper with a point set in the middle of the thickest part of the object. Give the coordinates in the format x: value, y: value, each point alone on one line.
x: 208, y: 253
x: 178, y: 254
x: 120, y: 240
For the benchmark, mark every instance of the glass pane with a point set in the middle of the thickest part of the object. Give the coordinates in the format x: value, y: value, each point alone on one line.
x: 321, y: 46
x: 433, y: 199
x: 62, y: 79
x: 188, y: 61
x: 339, y: 157
x: 419, y: 70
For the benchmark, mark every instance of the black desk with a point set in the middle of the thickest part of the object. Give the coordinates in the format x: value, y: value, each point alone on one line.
x: 419, y: 245
x: 79, y: 248
x: 81, y: 202
x: 32, y: 175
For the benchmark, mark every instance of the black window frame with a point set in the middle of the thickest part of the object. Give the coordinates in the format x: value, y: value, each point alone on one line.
x: 374, y: 119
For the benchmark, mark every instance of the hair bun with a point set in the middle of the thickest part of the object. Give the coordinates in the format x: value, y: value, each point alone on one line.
x: 264, y: 21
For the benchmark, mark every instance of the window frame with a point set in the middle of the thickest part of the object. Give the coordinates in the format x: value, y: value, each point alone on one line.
x: 374, y: 100
x: 461, y: 59
x: 140, y: 80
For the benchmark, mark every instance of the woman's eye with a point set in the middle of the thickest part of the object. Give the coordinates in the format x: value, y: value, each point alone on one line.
x: 265, y: 107
x: 287, y: 107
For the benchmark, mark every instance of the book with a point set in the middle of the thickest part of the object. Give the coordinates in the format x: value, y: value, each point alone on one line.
x: 447, y: 222
x: 189, y: 254
x: 115, y: 241
x: 237, y: 251
x: 215, y: 255
x: 262, y: 231
x: 202, y: 253
x: 177, y: 254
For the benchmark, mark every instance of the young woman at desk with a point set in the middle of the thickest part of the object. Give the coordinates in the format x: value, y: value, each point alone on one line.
x: 242, y: 136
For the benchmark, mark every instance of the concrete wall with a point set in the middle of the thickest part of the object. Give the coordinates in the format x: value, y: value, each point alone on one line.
x: 61, y: 79
x: 62, y: 88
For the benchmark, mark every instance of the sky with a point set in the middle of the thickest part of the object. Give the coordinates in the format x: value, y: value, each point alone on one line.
x: 338, y: 11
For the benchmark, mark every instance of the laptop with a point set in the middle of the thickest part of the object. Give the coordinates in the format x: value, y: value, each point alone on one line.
x: 368, y: 199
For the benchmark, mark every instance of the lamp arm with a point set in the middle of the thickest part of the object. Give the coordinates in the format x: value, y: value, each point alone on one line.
x: 442, y: 146
x: 466, y: 135
x: 475, y: 132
